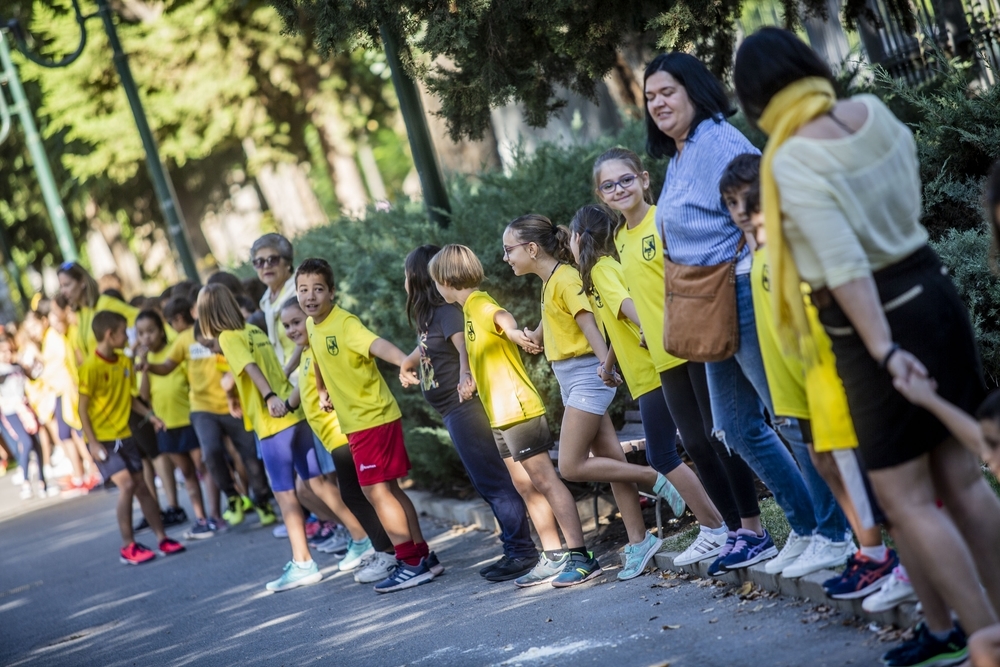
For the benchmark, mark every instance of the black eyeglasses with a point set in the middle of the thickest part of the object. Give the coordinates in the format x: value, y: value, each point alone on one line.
x: 269, y: 261
x: 625, y: 181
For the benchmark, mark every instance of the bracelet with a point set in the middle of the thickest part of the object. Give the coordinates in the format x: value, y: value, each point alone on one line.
x: 888, y: 355
x: 269, y: 396
x: 288, y: 406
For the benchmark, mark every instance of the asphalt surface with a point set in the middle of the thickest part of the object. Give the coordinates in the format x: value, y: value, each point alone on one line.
x: 66, y: 600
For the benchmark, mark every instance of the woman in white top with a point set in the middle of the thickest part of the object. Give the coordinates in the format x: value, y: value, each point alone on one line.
x: 841, y: 195
x: 272, y: 258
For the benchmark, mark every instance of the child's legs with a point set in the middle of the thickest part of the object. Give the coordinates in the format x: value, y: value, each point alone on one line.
x: 544, y: 478
x: 830, y: 520
x: 923, y: 532
x: 164, y: 467
x: 626, y: 494
x: 123, y: 508
x: 185, y: 463
x: 209, y: 429
x: 826, y: 466
x: 246, y: 447
x: 236, y: 467
x: 329, y: 494
x: 295, y: 522
x: 355, y: 499
x: 19, y: 439
x: 581, y: 432
x: 149, y: 505
x: 538, y: 507
x: 68, y: 446
x: 44, y: 448
x: 390, y: 510
x: 279, y: 459
x: 312, y: 502
x: 973, y: 507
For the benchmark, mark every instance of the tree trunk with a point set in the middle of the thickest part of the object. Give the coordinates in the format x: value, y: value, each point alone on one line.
x: 625, y: 88
x: 288, y: 194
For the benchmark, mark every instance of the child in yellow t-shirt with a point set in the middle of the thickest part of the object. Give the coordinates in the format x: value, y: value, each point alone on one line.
x: 346, y: 377
x: 168, y: 397
x: 347, y: 502
x: 286, y: 442
x: 514, y: 408
x: 107, y: 398
x: 872, y: 565
x: 58, y: 351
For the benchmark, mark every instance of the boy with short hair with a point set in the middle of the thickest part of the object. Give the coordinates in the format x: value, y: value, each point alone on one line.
x: 107, y: 398
x: 347, y: 377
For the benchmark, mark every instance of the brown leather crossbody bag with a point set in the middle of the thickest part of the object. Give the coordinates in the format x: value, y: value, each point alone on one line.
x: 700, y: 322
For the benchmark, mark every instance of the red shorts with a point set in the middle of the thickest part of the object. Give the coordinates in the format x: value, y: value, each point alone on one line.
x: 379, y: 453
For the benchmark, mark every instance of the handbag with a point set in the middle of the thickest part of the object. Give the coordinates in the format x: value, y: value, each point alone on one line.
x: 700, y: 320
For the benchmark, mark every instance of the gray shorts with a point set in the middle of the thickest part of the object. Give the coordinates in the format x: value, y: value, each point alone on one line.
x: 524, y: 440
x: 580, y: 386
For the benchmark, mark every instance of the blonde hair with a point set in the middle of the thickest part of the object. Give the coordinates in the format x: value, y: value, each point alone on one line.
x: 456, y: 266
x: 218, y: 311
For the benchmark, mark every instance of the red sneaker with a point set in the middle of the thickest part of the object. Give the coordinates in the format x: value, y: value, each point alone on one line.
x: 313, y: 527
x: 169, y: 546
x: 136, y: 554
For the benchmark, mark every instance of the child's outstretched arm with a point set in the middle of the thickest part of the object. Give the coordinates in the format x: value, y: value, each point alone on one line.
x: 408, y: 369
x: 325, y: 403
x: 466, y: 384
x: 388, y: 352
x: 275, y: 406
x: 97, y: 450
x: 922, y: 391
x: 506, y: 323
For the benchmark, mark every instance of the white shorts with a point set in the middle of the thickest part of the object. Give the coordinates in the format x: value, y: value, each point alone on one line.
x: 580, y: 386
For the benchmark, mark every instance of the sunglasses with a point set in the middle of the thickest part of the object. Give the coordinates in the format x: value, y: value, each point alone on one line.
x: 269, y: 262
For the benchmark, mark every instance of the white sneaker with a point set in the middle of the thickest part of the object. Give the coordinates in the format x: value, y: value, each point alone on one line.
x: 26, y: 492
x: 894, y: 592
x: 280, y: 531
x: 378, y: 568
x: 794, y: 547
x: 707, y: 545
x: 336, y: 543
x: 821, y: 554
x: 17, y: 477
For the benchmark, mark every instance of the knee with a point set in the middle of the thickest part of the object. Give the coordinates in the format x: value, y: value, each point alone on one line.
x: 984, y: 647
x: 571, y: 471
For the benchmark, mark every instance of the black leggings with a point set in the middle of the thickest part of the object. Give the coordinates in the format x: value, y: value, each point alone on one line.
x: 728, y: 480
x: 354, y: 498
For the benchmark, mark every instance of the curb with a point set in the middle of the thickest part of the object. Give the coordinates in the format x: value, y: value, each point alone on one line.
x: 809, y: 587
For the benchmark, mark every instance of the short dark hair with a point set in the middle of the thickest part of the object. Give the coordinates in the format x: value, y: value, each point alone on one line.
x: 246, y: 303
x: 703, y: 89
x: 106, y: 321
x: 989, y: 408
x: 315, y: 266
x: 234, y: 284
x: 178, y: 307
x: 769, y: 61
x: 742, y: 170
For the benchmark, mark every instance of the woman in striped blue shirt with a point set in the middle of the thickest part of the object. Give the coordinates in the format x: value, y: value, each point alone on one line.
x: 686, y: 108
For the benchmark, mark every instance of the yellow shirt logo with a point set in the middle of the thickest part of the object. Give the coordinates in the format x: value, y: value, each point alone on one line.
x: 597, y: 299
x: 470, y: 331
x: 649, y: 247
x: 331, y: 345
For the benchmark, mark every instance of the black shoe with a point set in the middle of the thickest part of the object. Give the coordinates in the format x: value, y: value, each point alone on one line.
x: 512, y: 568
x: 489, y: 568
x: 173, y: 516
x: 142, y: 525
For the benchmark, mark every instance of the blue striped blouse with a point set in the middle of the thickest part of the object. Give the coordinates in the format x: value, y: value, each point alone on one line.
x: 690, y: 214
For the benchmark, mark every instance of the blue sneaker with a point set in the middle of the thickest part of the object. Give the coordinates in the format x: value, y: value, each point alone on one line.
x: 295, y: 576
x: 664, y: 489
x: 862, y: 577
x: 579, y: 568
x: 201, y: 530
x: 749, y: 549
x: 405, y: 576
x: 356, y: 552
x: 637, y: 556
x: 925, y: 650
x: 436, y: 568
x: 717, y: 569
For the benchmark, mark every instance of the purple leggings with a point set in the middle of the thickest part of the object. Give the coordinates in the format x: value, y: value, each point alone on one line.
x: 288, y: 452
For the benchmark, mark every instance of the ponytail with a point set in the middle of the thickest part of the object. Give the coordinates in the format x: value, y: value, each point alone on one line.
x: 594, y: 224
x: 537, y: 229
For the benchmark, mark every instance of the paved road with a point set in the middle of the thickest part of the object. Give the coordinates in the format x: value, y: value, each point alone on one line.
x: 65, y: 600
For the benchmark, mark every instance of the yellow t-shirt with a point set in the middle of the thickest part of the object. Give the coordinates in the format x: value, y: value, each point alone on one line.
x: 786, y: 377
x: 203, y: 373
x: 562, y: 301
x: 70, y: 405
x: 609, y: 294
x: 641, y: 256
x: 325, y: 425
x: 169, y: 393
x: 55, y: 373
x: 85, y: 317
x: 251, y: 346
x: 341, y: 346
x: 507, y: 394
x: 110, y: 386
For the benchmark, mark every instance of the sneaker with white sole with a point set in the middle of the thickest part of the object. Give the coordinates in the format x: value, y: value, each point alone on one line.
x: 893, y: 593
x: 545, y: 570
x: 405, y: 576
x: 821, y: 554
x: 337, y: 542
x: 295, y: 576
x: 707, y: 545
x: 637, y: 556
x: 794, y: 547
x: 377, y: 568
x: 280, y: 531
x: 357, y: 552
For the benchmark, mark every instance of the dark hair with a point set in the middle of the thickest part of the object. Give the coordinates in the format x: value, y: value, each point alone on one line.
x: 992, y: 197
x: 989, y: 408
x: 178, y: 289
x: 114, y: 294
x: 316, y: 267
x: 595, y: 225
x: 422, y: 298
x: 234, y: 284
x: 155, y: 318
x: 79, y: 274
x: 178, y: 307
x: 105, y: 321
x: 254, y: 288
x: 537, y: 229
x: 703, y: 89
x: 289, y: 302
x: 192, y: 294
x: 61, y: 301
x: 742, y: 170
x: 245, y: 302
x: 769, y: 61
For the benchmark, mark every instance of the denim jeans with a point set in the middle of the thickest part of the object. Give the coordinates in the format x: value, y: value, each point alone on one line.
x: 469, y: 428
x: 736, y: 386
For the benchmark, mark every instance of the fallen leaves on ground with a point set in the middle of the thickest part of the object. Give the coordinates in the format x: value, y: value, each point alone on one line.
x: 671, y: 627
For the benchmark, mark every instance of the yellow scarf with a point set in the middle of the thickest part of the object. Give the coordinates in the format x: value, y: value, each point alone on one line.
x: 797, y: 322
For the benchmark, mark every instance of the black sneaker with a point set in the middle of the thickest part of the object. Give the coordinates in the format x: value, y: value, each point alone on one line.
x: 142, y: 525
x: 486, y: 570
x: 925, y: 649
x: 511, y: 568
x: 174, y: 516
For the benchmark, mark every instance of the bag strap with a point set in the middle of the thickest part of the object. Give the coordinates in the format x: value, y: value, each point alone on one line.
x: 739, y: 247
